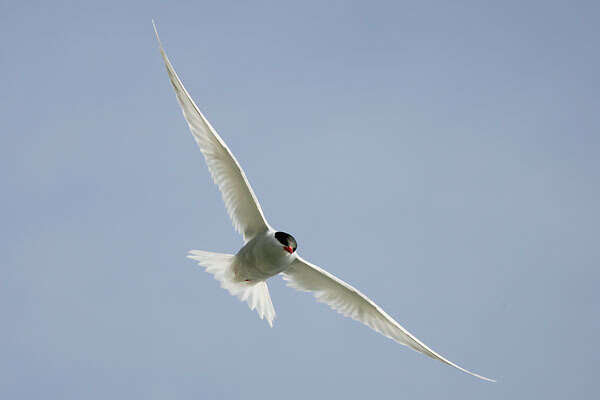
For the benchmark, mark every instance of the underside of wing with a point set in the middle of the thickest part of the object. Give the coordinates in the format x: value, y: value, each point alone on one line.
x: 240, y: 200
x: 349, y: 302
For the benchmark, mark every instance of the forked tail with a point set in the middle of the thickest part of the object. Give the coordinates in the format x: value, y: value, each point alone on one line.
x: 255, y: 294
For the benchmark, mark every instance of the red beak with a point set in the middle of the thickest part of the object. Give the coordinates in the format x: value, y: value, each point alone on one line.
x: 288, y: 249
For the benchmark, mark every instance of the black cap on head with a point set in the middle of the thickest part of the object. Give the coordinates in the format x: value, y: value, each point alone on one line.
x: 286, y: 239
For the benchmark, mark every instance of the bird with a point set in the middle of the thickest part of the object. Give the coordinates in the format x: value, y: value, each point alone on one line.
x: 268, y: 252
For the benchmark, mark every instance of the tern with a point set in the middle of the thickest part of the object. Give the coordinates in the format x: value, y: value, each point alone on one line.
x: 268, y: 252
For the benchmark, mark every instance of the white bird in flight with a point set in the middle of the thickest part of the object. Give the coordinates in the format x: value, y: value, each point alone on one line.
x: 268, y: 252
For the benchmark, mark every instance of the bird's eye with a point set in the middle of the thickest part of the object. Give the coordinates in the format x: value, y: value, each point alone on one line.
x: 281, y: 237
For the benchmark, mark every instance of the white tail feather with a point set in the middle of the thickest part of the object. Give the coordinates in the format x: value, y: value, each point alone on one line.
x: 255, y: 294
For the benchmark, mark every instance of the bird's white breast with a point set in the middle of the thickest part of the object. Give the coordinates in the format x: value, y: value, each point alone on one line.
x: 261, y: 258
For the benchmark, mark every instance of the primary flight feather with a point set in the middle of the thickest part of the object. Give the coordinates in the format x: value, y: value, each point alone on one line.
x: 268, y: 252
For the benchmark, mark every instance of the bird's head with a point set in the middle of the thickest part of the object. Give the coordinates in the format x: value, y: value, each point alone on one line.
x: 287, y: 242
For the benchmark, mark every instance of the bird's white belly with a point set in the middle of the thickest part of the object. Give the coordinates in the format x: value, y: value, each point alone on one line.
x: 255, y: 272
x: 259, y: 260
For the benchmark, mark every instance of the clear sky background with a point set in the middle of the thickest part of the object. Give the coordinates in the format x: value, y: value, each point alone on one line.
x: 443, y: 157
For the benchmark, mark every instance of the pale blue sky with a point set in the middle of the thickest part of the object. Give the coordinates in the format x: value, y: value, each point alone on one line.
x: 440, y: 156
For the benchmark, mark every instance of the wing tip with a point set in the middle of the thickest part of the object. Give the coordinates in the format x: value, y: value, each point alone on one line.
x: 484, y: 378
x: 156, y: 34
x: 154, y: 26
x: 474, y: 374
x: 450, y: 363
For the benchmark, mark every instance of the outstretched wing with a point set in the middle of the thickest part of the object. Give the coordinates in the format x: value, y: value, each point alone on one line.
x: 349, y: 302
x: 240, y: 201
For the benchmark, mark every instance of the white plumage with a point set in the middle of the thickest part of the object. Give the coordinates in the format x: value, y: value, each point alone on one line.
x: 266, y: 252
